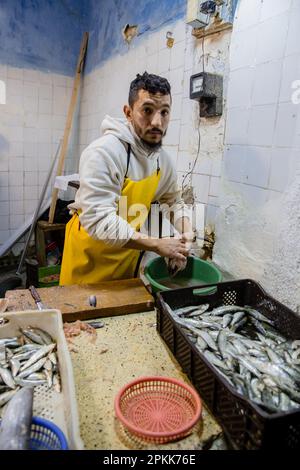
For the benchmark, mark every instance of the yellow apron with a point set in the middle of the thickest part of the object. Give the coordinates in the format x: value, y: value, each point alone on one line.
x: 89, y: 261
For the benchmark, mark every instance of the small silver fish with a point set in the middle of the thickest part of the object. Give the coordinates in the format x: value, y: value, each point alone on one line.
x: 38, y: 355
x: 33, y: 368
x: 7, y: 377
x: 6, y: 396
x: 15, y: 366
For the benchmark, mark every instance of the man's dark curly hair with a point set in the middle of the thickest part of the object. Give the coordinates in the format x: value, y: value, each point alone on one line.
x: 149, y: 82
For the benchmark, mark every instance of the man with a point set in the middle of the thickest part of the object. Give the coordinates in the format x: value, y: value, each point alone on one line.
x: 121, y: 174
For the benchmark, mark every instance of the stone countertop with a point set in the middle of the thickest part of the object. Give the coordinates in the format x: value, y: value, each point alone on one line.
x: 126, y: 348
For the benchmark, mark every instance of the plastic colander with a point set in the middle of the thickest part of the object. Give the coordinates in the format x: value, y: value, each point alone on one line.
x: 45, y: 435
x: 158, y: 409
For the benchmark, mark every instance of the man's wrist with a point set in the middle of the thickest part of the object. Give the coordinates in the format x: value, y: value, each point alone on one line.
x: 148, y: 243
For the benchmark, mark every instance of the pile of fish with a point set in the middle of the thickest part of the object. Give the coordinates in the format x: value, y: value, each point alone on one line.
x: 27, y: 360
x: 245, y: 348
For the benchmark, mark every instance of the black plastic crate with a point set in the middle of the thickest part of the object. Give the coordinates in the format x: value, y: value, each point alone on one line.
x: 245, y: 424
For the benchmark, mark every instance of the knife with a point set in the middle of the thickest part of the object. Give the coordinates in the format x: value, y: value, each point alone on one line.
x: 37, y: 299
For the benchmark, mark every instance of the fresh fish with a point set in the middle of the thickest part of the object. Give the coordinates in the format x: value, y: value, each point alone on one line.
x: 259, y: 316
x: 237, y: 326
x: 26, y: 363
x: 222, y: 343
x: 240, y: 347
x: 226, y: 309
x: 254, y: 385
x: 242, y: 344
x: 259, y: 326
x: 11, y: 342
x: 6, y: 396
x: 16, y: 422
x: 208, y: 339
x: 36, y: 366
x: 2, y: 354
x: 27, y: 347
x: 15, y: 366
x: 214, y: 360
x: 237, y: 317
x: 30, y: 382
x: 48, y: 364
x: 208, y: 324
x: 201, y: 343
x: 95, y: 324
x: 191, y: 337
x: 248, y: 365
x: 38, y: 355
x: 24, y: 356
x: 53, y: 358
x: 47, y: 339
x: 284, y: 402
x: 37, y: 376
x: 239, y: 384
x: 32, y: 336
x: 7, y: 377
x: 226, y: 319
x: 273, y: 370
x: 187, y: 310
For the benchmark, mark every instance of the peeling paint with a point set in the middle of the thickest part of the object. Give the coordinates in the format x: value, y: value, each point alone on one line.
x: 129, y: 32
x: 106, y: 41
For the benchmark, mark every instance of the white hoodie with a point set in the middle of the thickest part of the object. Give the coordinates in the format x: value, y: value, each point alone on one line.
x: 102, y: 170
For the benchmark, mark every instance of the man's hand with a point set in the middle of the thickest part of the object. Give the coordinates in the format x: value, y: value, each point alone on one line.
x: 174, y: 264
x: 174, y: 248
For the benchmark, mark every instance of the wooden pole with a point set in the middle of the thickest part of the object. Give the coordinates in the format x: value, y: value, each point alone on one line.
x: 68, y: 126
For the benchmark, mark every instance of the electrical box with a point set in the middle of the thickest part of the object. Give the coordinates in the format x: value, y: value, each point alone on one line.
x: 207, y: 88
x: 195, y: 17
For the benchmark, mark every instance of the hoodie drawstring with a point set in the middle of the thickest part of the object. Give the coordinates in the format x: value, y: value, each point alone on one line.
x: 128, y: 160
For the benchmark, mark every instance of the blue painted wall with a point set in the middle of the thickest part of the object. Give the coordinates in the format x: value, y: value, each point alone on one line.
x: 108, y: 17
x: 42, y: 34
x: 46, y: 34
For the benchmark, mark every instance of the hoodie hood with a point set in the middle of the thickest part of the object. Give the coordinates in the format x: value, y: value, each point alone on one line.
x: 124, y: 131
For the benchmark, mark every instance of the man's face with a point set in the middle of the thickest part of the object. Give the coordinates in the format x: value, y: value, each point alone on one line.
x: 150, y: 116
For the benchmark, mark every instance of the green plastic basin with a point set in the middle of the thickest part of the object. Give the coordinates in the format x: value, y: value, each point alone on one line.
x: 197, y: 273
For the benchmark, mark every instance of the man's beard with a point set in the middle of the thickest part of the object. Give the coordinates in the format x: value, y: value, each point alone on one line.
x: 153, y: 147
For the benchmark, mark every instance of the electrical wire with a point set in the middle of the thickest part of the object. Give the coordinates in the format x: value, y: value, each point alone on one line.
x: 190, y: 172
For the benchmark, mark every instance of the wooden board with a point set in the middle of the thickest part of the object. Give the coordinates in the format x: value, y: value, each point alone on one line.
x: 71, y: 111
x: 113, y: 298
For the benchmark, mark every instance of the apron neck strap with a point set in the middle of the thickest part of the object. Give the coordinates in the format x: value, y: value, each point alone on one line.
x: 128, y: 160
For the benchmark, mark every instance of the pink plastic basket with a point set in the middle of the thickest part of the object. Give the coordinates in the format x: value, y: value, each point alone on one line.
x: 158, y: 409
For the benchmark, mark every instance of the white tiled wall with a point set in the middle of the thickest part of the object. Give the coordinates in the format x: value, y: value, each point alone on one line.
x: 31, y: 124
x: 258, y: 198
x: 105, y: 91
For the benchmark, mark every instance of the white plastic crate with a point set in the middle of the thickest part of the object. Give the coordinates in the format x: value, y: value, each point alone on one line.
x: 61, y: 408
